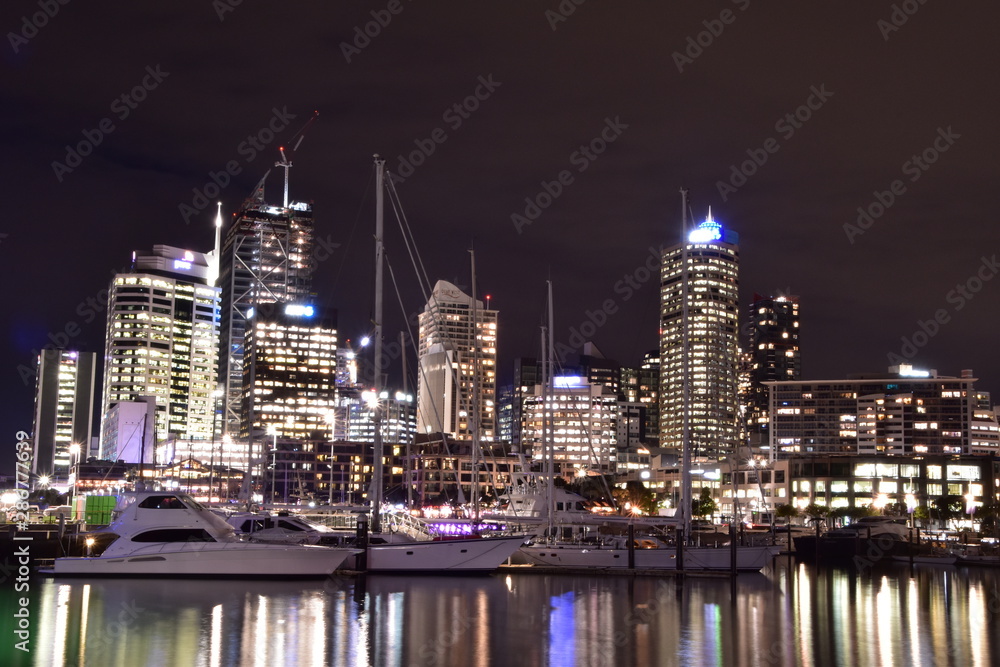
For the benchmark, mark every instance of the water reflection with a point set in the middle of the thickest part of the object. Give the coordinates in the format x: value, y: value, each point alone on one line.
x: 793, y: 615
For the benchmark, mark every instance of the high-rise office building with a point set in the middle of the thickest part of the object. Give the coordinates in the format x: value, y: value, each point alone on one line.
x: 457, y: 365
x: 699, y: 304
x: 772, y: 354
x: 162, y: 341
x: 289, y: 372
x: 64, y: 406
x: 266, y: 258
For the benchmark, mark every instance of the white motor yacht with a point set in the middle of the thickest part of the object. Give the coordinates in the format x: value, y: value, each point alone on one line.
x: 168, y: 534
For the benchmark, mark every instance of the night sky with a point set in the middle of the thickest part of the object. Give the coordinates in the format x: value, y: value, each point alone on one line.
x: 785, y: 118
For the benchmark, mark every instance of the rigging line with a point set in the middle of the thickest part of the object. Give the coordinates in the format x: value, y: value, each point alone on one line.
x: 421, y: 369
x: 409, y: 239
x: 350, y: 237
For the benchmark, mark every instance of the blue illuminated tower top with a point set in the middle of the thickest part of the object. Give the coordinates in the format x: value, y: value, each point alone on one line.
x: 711, y: 231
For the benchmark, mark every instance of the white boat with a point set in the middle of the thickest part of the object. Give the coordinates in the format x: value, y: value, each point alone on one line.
x: 474, y: 555
x: 168, y: 534
x: 748, y: 558
x: 404, y: 547
x: 284, y: 528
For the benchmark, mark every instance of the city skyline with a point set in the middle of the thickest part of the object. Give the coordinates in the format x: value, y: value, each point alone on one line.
x: 849, y: 147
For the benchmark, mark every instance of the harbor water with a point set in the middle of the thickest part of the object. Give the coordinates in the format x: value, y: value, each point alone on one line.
x: 791, y: 614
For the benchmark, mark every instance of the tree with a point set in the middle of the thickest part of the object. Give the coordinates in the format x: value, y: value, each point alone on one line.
x: 948, y: 508
x: 986, y: 514
x: 786, y: 511
x: 704, y: 504
x: 637, y: 495
x: 815, y: 512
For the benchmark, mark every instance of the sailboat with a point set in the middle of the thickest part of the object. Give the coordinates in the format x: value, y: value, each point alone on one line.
x: 388, y: 551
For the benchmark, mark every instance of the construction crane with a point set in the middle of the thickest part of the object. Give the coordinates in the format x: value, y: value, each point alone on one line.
x: 286, y: 162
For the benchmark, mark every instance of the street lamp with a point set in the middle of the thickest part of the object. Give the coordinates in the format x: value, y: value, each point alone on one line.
x: 74, y: 466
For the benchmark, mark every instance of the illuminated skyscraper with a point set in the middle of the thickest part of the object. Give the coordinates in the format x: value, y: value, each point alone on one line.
x: 266, y: 259
x: 699, y: 304
x: 456, y: 336
x: 162, y: 341
x: 773, y: 354
x: 64, y: 406
x: 292, y: 372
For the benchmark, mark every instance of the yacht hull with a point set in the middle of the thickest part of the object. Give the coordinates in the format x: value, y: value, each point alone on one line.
x: 237, y: 561
x: 748, y: 559
x: 475, y: 555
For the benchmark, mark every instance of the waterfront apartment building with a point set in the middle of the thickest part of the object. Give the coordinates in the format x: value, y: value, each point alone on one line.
x: 699, y: 304
x: 457, y: 356
x: 162, y: 341
x: 903, y: 412
x: 63, y: 416
x: 266, y: 259
x: 583, y: 426
x: 772, y: 354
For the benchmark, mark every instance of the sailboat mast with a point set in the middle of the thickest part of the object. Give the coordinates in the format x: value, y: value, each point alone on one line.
x: 685, y: 380
x: 476, y: 409
x: 377, y: 445
x: 549, y: 376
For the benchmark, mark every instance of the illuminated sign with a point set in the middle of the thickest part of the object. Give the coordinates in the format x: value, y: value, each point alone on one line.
x: 181, y: 264
x: 907, y: 371
x: 299, y: 310
x: 569, y: 381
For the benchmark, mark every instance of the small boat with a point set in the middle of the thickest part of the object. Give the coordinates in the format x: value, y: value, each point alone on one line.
x: 168, y: 534
x: 284, y: 528
x: 869, y: 539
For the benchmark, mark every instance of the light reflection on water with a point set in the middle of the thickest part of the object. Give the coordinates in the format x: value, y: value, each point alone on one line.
x: 789, y: 616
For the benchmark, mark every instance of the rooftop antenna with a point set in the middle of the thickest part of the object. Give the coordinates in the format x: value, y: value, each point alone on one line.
x: 285, y: 162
